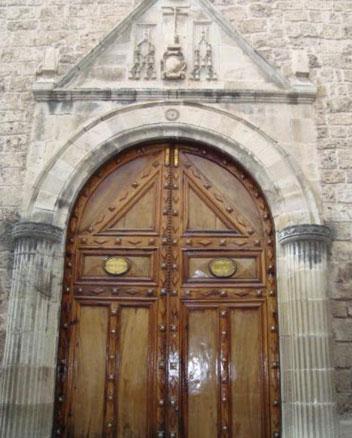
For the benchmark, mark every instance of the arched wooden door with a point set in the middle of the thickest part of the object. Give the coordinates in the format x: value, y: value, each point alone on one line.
x: 169, y: 320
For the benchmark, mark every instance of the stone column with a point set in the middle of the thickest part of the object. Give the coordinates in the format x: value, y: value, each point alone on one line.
x: 308, y: 394
x: 28, y: 379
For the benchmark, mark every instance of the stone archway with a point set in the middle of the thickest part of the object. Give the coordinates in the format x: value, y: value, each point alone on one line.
x: 290, y: 195
x: 30, y: 354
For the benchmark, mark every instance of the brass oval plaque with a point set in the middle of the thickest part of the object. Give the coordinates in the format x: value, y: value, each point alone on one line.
x: 222, y: 267
x: 117, y: 265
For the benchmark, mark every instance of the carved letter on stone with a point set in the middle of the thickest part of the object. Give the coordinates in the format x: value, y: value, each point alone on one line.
x: 144, y: 59
x: 203, y: 59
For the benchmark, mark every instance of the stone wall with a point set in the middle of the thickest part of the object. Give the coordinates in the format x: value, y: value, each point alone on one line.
x: 275, y: 28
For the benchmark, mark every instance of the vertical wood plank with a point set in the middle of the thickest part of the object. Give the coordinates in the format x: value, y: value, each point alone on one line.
x: 202, y: 373
x: 246, y: 373
x: 87, y: 413
x: 133, y: 373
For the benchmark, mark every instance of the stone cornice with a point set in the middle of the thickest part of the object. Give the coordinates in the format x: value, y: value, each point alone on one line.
x: 305, y: 232
x: 132, y: 95
x: 36, y: 230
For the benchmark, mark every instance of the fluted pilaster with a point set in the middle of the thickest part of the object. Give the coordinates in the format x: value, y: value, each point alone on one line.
x: 26, y: 396
x: 307, y: 370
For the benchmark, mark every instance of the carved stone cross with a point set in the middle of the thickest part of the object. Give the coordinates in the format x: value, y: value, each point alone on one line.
x: 176, y: 11
x: 173, y: 63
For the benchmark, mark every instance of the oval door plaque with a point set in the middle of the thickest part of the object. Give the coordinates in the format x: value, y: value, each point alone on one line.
x: 222, y: 267
x: 117, y: 265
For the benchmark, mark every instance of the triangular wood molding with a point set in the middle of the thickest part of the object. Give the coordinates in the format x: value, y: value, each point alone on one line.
x: 178, y: 49
x: 216, y: 203
x: 212, y: 218
x: 132, y: 196
x: 138, y: 214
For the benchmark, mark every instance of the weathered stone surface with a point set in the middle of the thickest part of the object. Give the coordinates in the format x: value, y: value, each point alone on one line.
x: 344, y: 403
x: 339, y: 309
x: 345, y: 429
x: 342, y: 354
x: 343, y: 329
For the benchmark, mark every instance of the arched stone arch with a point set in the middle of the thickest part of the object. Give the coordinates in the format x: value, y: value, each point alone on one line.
x: 288, y: 191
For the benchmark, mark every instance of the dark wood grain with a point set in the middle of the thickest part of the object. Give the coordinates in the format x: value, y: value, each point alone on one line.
x: 131, y: 345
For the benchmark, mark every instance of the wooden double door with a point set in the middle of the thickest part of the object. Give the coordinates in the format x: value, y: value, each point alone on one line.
x: 168, y: 323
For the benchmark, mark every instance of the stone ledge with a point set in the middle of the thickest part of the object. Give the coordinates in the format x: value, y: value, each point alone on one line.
x: 305, y: 232
x: 37, y: 230
x: 132, y: 95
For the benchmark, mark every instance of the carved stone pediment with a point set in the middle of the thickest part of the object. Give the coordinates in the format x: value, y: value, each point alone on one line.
x: 183, y: 46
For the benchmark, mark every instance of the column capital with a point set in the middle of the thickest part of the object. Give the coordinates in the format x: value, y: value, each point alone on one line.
x: 305, y: 232
x: 37, y: 230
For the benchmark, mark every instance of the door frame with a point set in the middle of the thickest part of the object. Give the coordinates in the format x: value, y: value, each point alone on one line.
x: 297, y: 218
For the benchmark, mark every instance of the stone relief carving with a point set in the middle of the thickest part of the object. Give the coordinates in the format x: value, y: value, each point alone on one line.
x: 172, y: 114
x: 173, y: 63
x: 144, y: 58
x: 203, y: 58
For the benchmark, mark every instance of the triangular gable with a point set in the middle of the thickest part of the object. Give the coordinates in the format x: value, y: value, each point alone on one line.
x: 151, y: 48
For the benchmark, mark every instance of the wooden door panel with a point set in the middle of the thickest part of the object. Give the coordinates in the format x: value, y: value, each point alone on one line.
x: 201, y: 217
x: 86, y: 418
x: 141, y: 266
x: 140, y: 213
x: 224, y: 189
x: 112, y: 370
x: 136, y: 351
x: 224, y: 370
x: 113, y: 190
x: 201, y: 372
x: 247, y: 372
x: 208, y: 209
x: 245, y: 295
x: 247, y: 267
